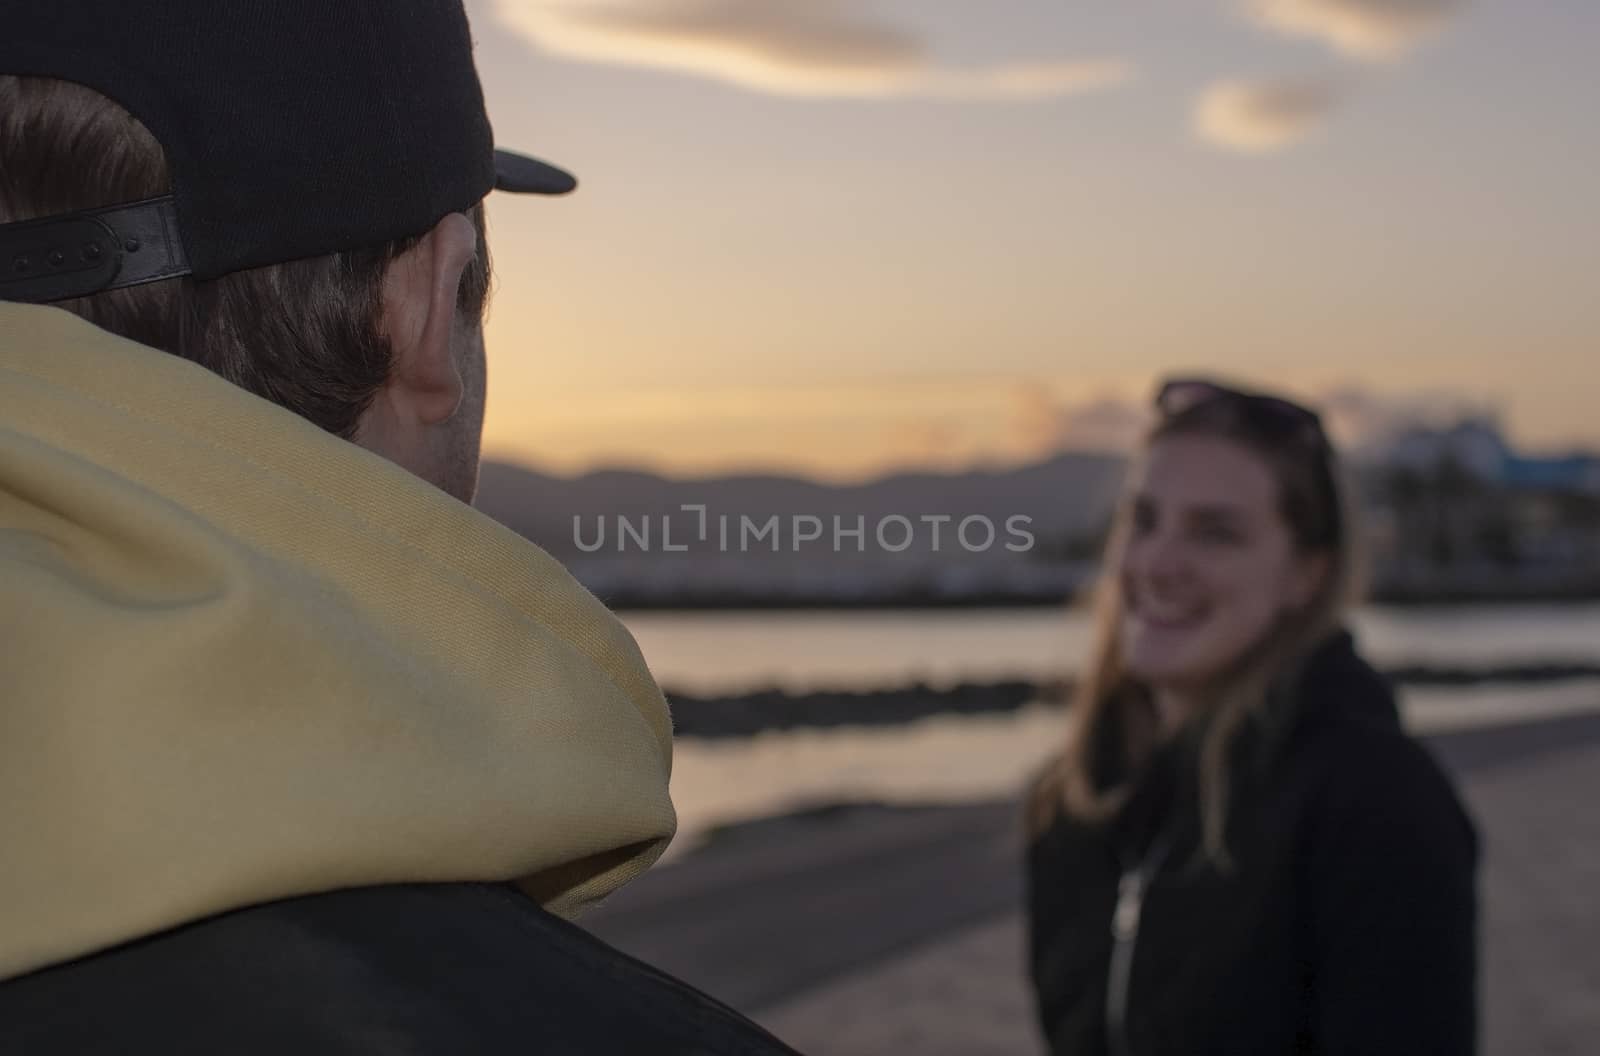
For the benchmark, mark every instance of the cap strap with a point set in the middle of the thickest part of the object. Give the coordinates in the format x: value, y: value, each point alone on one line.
x: 75, y: 254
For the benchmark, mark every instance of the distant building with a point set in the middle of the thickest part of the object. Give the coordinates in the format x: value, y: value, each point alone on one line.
x: 1576, y: 472
x: 1455, y: 508
x: 1474, y: 444
x: 1477, y: 445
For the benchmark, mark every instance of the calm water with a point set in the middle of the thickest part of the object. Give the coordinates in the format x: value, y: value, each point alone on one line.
x: 722, y: 651
x: 961, y: 758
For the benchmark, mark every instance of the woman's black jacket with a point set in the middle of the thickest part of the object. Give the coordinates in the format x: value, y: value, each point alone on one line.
x: 1346, y: 925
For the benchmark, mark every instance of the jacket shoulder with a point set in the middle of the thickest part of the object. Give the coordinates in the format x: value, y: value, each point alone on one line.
x: 416, y: 969
x: 1372, y: 777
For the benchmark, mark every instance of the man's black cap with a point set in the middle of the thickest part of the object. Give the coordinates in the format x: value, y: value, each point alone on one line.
x: 293, y: 128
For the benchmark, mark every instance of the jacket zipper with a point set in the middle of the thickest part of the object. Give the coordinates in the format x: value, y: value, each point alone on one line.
x: 1131, y: 890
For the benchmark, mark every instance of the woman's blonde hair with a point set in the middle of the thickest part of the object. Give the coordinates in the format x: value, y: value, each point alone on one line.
x: 1113, y: 723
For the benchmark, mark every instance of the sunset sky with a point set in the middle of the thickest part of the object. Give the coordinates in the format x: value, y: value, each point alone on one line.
x: 844, y: 236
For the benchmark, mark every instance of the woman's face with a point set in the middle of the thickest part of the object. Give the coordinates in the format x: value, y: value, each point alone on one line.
x: 1209, y: 566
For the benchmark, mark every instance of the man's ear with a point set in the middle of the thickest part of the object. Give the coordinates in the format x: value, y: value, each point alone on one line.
x: 419, y: 315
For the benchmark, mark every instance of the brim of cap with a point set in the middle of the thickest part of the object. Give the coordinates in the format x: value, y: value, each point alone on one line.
x: 521, y: 174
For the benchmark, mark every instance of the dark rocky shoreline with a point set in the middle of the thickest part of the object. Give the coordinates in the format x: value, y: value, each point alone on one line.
x: 759, y: 711
x: 1573, y: 589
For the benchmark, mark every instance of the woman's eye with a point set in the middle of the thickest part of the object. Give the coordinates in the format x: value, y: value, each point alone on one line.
x: 1217, y: 533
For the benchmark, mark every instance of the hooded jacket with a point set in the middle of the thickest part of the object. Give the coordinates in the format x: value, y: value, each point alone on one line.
x: 1345, y: 922
x: 268, y: 693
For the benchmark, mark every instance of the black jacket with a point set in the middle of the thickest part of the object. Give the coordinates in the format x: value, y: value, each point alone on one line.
x: 413, y: 970
x: 1346, y: 926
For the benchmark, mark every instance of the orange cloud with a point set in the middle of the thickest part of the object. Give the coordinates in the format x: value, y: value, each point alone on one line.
x: 1367, y: 29
x: 1264, y: 115
x: 788, y: 47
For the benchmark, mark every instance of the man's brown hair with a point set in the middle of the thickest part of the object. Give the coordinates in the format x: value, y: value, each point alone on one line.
x: 306, y: 334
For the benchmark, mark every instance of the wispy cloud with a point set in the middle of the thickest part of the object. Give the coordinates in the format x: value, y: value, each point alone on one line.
x: 1259, y: 116
x: 1047, y: 424
x: 789, y: 47
x: 1368, y: 29
x: 1366, y: 420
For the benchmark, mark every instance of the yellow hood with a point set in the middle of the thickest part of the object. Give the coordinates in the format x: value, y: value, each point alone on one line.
x: 241, y: 660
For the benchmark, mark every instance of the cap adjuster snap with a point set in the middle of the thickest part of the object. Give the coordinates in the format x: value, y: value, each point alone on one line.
x: 57, y: 258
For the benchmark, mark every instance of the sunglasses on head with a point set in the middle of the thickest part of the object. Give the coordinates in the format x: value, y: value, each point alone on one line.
x: 1274, y: 418
x: 1272, y: 412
